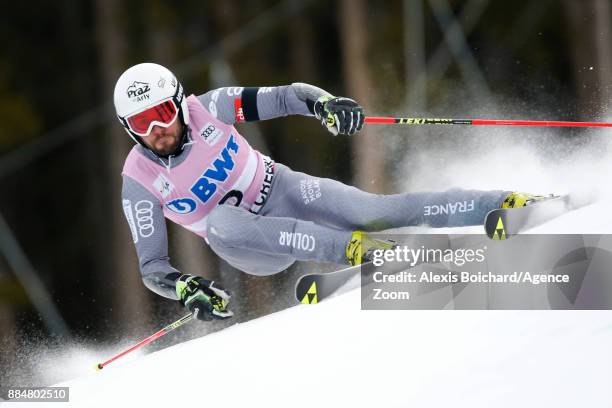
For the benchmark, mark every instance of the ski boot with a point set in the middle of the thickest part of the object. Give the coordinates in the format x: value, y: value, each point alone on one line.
x: 516, y: 199
x: 361, y: 246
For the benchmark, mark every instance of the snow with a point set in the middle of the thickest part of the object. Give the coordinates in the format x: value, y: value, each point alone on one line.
x: 590, y: 219
x: 335, y: 354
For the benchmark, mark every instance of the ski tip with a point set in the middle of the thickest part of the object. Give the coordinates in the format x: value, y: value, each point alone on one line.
x: 503, y: 223
x: 575, y: 201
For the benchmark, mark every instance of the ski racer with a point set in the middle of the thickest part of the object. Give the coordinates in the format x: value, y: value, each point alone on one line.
x: 191, y: 165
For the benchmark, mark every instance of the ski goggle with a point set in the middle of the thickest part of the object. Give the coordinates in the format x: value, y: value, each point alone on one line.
x: 163, y: 114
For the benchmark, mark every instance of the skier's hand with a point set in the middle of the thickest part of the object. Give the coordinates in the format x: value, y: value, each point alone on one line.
x: 205, y: 298
x: 339, y: 115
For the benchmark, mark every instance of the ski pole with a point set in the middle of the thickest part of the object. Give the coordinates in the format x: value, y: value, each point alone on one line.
x: 149, y: 339
x: 480, y: 122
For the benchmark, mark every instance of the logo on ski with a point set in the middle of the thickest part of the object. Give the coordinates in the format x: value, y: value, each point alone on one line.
x: 500, y: 231
x: 311, y: 295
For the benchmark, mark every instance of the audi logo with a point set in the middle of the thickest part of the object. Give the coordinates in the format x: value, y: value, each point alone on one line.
x: 144, y: 218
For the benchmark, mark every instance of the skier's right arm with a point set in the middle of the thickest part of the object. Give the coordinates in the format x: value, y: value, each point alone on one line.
x: 145, y: 217
x: 143, y: 211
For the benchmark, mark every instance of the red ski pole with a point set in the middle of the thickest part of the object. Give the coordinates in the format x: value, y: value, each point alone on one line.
x: 149, y: 339
x: 480, y: 122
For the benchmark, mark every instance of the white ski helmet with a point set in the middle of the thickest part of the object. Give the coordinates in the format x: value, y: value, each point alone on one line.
x: 149, y: 94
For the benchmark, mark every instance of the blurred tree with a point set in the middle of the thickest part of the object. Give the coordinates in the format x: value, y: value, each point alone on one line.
x: 19, y: 121
x: 188, y: 251
x: 369, y: 151
x: 414, y: 54
x: 300, y: 67
x: 80, y: 242
x: 226, y: 23
x: 590, y: 39
x: 11, y: 295
x: 130, y: 306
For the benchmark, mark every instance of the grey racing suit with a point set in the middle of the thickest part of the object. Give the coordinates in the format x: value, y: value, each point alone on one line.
x: 304, y: 217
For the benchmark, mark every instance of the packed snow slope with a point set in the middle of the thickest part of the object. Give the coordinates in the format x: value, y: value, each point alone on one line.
x: 334, y: 354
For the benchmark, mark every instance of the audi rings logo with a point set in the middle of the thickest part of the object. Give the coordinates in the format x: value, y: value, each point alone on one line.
x: 144, y: 218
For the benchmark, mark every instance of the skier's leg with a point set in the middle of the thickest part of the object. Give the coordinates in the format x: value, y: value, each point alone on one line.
x: 251, y: 262
x: 330, y: 202
x: 265, y: 245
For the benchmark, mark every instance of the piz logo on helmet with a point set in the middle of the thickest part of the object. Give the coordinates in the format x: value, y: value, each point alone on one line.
x: 182, y: 205
x: 138, y: 90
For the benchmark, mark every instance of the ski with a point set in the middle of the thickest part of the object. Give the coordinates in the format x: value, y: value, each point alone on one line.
x: 500, y: 224
x: 315, y: 287
x: 503, y: 223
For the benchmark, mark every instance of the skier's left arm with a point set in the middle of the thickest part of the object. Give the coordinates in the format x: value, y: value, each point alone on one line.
x: 238, y: 104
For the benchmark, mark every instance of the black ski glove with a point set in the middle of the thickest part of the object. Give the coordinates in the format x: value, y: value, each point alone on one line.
x: 207, y: 297
x: 339, y: 115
